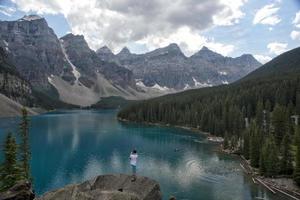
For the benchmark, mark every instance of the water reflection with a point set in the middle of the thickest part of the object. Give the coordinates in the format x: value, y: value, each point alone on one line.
x: 69, y: 147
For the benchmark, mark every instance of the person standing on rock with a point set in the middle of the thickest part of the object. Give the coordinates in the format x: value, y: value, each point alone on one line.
x: 133, y: 162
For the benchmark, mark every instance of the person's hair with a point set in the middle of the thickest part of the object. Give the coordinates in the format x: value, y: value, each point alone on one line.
x: 134, y: 151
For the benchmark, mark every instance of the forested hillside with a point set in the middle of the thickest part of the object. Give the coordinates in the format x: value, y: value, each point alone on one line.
x: 266, y: 98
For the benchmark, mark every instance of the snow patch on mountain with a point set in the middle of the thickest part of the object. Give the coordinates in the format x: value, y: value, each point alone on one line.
x: 225, y: 82
x: 5, y: 45
x: 201, y: 85
x: 186, y: 87
x: 140, y: 84
x: 158, y: 87
x: 223, y: 73
x: 75, y: 72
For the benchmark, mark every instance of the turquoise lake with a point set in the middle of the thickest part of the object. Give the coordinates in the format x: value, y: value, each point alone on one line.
x: 73, y: 146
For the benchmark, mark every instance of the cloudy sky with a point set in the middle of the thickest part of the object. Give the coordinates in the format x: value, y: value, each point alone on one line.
x: 264, y: 28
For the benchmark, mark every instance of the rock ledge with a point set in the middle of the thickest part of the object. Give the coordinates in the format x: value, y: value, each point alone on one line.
x: 108, y: 187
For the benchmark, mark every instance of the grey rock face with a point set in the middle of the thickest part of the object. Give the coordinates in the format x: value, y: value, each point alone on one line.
x: 109, y: 187
x: 88, y: 62
x: 34, y: 49
x: 104, y: 53
x: 11, y: 84
x: 219, y: 69
x: 171, y: 68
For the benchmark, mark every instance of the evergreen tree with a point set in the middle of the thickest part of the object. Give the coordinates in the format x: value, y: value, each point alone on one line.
x: 259, y: 114
x: 24, y: 146
x: 279, y: 122
x: 246, y: 144
x: 10, y: 171
x: 269, y: 158
x: 297, y: 167
x: 272, y: 160
x: 255, y: 143
x: 286, y: 162
x: 226, y: 142
x: 262, y: 160
x: 268, y: 115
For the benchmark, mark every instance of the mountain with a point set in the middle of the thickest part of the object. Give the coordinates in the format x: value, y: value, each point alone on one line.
x: 95, y: 78
x: 64, y: 69
x: 170, y: 69
x: 219, y: 69
x: 34, y: 49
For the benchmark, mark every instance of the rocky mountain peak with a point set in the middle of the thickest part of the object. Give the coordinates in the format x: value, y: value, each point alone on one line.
x: 207, y: 54
x: 70, y: 36
x: 248, y: 60
x: 76, y: 40
x: 124, y: 51
x: 105, y: 53
x: 31, y: 18
x: 204, y: 48
x: 247, y: 56
x: 34, y: 49
x: 173, y: 46
x: 105, y: 50
x: 171, y: 50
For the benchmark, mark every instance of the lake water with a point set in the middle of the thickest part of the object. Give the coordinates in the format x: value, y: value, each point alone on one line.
x: 73, y: 146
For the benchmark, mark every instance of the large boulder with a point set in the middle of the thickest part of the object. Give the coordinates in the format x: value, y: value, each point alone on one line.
x: 108, y: 187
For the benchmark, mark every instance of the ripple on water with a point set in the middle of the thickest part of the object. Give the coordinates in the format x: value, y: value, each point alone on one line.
x: 199, y: 173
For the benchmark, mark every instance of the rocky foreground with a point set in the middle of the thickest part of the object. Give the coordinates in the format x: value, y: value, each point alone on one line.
x: 104, y: 187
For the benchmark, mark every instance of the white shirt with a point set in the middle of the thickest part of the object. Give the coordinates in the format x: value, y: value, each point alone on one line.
x: 133, y: 159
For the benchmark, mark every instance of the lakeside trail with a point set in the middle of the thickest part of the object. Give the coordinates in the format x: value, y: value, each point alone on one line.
x: 271, y: 184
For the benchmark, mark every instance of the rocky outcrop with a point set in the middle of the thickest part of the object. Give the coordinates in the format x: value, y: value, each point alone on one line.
x: 108, y: 187
x: 21, y: 191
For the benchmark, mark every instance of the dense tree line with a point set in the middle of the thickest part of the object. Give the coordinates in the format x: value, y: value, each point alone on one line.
x: 16, y: 163
x: 266, y: 102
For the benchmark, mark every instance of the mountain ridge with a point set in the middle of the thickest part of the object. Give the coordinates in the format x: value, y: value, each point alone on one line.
x: 168, y: 67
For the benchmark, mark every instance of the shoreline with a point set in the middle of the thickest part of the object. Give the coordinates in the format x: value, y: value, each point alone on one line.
x: 209, y: 136
x: 271, y: 184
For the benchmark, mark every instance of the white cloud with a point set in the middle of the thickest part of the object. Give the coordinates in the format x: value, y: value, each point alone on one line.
x: 8, y: 11
x: 231, y: 14
x: 262, y: 58
x: 267, y: 15
x: 277, y: 48
x: 188, y: 40
x: 117, y: 23
x: 296, y: 20
x: 295, y: 35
